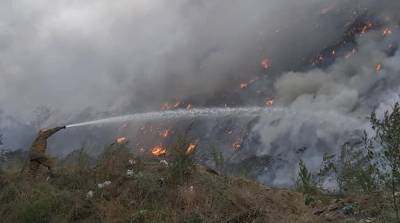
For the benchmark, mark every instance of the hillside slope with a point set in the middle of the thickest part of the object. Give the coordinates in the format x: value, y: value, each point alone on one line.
x: 122, y: 188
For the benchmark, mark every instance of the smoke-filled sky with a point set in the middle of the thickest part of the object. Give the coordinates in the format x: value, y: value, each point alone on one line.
x: 70, y: 55
x: 117, y: 57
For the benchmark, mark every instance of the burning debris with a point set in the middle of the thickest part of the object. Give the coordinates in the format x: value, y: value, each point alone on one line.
x: 190, y: 149
x: 159, y: 151
x: 165, y: 133
x: 236, y: 145
x: 378, y: 67
x: 269, y: 102
x: 266, y: 63
x: 387, y: 31
x: 170, y: 106
x: 121, y: 140
x: 244, y: 85
x: 367, y: 27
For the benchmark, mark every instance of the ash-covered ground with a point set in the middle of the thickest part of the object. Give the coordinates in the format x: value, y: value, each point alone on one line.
x: 325, y: 66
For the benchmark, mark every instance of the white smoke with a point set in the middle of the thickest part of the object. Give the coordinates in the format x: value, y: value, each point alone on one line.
x: 351, y: 88
x: 114, y: 55
x: 91, y: 59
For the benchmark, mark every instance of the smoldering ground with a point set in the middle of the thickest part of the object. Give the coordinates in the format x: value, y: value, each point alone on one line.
x: 86, y: 60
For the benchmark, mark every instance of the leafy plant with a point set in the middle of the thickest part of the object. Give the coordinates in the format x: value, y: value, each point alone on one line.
x: 387, y: 134
x: 182, y: 161
x: 357, y: 173
x: 305, y: 181
x: 218, y: 158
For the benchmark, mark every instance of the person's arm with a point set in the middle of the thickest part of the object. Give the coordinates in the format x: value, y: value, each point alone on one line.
x: 50, y: 132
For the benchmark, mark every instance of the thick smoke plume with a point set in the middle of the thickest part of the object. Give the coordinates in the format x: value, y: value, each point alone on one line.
x: 331, y: 64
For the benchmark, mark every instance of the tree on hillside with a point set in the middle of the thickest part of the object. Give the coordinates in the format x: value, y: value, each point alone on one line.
x: 387, y: 135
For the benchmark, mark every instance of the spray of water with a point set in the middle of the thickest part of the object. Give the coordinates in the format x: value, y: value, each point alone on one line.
x: 193, y: 113
x: 180, y: 114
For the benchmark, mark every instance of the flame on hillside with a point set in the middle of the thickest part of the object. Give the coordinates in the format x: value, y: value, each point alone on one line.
x: 159, y: 151
x: 190, y: 148
x: 121, y: 140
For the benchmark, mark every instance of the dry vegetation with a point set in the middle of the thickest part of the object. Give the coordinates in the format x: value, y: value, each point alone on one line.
x: 367, y: 175
x: 118, y: 187
x: 144, y: 190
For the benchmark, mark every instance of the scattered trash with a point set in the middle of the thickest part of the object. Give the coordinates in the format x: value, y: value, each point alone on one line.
x: 104, y: 184
x: 129, y: 173
x: 132, y: 162
x: 89, y: 194
x: 161, y: 181
x: 164, y: 162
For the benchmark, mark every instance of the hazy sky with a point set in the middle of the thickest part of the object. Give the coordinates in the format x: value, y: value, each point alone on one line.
x: 70, y: 55
x: 117, y: 57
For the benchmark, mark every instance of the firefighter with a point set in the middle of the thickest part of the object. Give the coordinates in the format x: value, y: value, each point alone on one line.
x: 37, y: 154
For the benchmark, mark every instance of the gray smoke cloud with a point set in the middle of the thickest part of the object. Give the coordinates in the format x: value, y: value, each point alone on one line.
x: 71, y: 55
x: 350, y: 89
x: 90, y: 59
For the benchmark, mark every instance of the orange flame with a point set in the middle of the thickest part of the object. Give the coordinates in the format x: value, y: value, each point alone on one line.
x: 165, y: 106
x: 165, y: 133
x: 121, y: 140
x: 158, y: 151
x: 364, y: 29
x: 378, y: 67
x: 177, y: 103
x: 266, y: 63
x: 190, y: 148
x: 236, y: 145
x: 387, y: 31
x: 367, y: 27
x: 243, y: 85
x: 269, y: 102
x: 168, y: 106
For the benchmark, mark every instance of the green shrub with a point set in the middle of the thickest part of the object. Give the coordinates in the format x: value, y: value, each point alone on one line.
x: 70, y: 181
x: 193, y: 218
x: 305, y: 182
x: 357, y: 174
x: 218, y: 158
x: 151, y: 186
x: 113, y: 162
x: 182, y: 164
x: 387, y: 134
x: 43, y: 204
